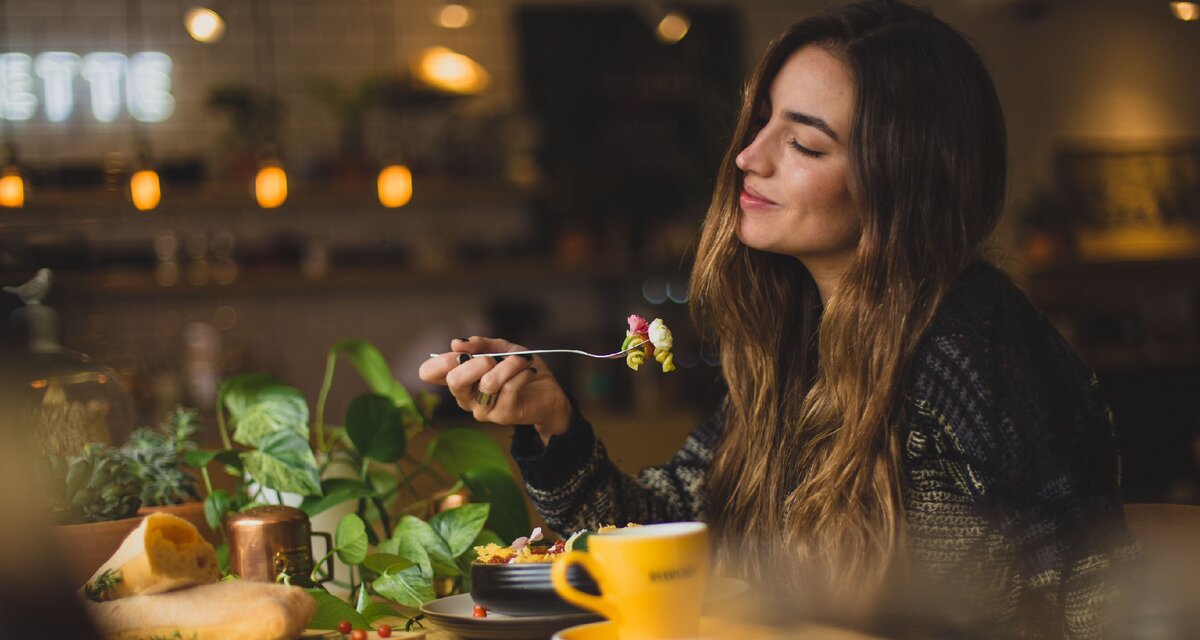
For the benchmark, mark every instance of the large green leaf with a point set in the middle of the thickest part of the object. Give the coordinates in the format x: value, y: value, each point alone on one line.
x: 381, y: 562
x: 407, y: 587
x: 461, y: 448
x: 284, y: 462
x: 216, y: 505
x: 509, y: 517
x: 335, y: 491
x: 238, y: 392
x: 331, y: 610
x: 377, y: 610
x: 410, y: 550
x: 460, y: 526
x: 350, y: 539
x: 411, y: 530
x: 277, y: 408
x: 374, y: 370
x: 376, y: 428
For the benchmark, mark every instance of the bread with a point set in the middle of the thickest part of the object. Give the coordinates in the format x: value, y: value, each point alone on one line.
x: 164, y: 553
x: 231, y: 610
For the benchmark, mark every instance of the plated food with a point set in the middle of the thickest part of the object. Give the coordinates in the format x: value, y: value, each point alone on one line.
x: 514, y: 580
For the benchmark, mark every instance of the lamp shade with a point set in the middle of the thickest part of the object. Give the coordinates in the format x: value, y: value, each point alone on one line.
x: 145, y: 189
x: 204, y: 24
x: 270, y: 186
x: 395, y: 186
x: 12, y: 189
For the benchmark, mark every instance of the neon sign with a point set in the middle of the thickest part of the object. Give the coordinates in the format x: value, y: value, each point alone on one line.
x: 145, y: 76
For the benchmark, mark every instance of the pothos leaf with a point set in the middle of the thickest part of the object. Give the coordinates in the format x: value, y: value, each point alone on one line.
x: 376, y: 427
x: 459, y: 526
x: 350, y: 539
x: 275, y: 409
x: 407, y: 587
x: 331, y: 610
x: 284, y: 462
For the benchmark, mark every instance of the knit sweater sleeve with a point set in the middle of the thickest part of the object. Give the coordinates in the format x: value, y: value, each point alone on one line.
x: 574, y: 485
x: 1027, y: 436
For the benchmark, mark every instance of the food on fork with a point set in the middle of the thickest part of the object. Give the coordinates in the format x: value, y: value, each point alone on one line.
x: 656, y: 342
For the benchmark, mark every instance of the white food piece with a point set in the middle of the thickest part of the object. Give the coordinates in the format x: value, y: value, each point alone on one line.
x: 660, y: 335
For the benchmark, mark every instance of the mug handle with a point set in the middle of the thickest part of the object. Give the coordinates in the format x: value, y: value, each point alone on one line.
x: 328, y: 547
x: 558, y: 576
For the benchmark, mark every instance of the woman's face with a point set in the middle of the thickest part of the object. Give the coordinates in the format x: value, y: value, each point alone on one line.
x: 794, y: 198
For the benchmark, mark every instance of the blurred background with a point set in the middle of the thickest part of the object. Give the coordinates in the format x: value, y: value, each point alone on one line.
x: 234, y: 185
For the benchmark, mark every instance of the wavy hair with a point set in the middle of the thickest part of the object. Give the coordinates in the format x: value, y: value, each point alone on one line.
x: 809, y: 466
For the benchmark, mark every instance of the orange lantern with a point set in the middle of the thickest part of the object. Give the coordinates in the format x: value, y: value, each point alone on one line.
x: 395, y: 186
x: 270, y: 186
x: 145, y: 190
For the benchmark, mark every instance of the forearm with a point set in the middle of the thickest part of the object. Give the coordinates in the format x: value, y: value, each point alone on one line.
x: 574, y: 485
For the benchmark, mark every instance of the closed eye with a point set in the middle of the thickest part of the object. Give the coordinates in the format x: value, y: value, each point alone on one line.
x: 805, y: 150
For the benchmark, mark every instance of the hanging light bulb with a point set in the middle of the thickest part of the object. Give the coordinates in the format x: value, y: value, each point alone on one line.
x: 12, y: 188
x: 449, y: 71
x: 1186, y: 11
x: 145, y: 190
x: 673, y: 27
x: 204, y: 24
x: 395, y: 186
x: 454, y: 15
x: 270, y: 185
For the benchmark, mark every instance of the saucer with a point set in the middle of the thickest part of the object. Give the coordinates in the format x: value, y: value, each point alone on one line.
x: 455, y: 614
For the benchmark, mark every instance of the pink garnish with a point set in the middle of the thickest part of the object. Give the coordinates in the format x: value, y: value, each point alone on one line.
x: 638, y: 325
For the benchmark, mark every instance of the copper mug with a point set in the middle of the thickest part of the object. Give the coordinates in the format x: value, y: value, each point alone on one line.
x: 273, y: 539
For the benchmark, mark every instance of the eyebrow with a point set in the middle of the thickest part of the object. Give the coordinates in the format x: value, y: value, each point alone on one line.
x: 812, y: 121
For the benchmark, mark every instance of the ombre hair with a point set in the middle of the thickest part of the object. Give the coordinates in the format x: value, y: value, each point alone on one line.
x: 807, y: 477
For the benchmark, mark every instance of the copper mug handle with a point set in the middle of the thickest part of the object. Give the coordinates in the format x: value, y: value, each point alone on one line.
x: 329, y: 559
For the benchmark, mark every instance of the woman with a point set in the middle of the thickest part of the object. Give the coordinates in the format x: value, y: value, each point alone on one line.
x: 899, y: 419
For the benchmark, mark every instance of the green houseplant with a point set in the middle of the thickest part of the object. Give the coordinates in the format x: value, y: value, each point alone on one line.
x: 393, y: 551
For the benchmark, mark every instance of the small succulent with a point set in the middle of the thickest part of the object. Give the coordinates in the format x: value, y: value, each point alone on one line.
x: 158, y: 457
x: 98, y: 484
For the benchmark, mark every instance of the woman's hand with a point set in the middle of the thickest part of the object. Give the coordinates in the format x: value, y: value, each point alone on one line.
x: 512, y: 390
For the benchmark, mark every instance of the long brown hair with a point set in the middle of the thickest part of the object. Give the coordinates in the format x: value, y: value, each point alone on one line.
x: 807, y: 476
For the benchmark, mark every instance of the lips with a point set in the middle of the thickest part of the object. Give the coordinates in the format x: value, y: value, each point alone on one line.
x: 749, y: 198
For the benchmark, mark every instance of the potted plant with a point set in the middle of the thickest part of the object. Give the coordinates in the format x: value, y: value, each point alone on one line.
x: 392, y: 551
x: 94, y: 496
x: 158, y: 456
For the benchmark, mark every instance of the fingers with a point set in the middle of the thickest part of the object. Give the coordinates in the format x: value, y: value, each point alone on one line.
x: 506, y: 406
x: 435, y: 369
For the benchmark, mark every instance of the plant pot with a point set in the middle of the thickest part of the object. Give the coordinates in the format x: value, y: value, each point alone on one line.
x: 84, y: 547
x: 193, y: 512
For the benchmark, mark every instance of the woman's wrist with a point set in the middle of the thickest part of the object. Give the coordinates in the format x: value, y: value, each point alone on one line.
x: 557, y: 422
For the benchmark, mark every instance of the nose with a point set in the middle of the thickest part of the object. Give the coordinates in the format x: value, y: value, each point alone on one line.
x: 752, y: 159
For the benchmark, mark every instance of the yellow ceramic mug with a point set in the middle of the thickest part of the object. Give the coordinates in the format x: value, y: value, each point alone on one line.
x: 651, y: 578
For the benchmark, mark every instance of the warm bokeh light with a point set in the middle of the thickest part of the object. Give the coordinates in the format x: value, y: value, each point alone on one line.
x: 673, y: 27
x: 395, y: 186
x: 1186, y: 11
x: 270, y: 186
x: 204, y: 24
x: 145, y: 190
x: 454, y: 15
x: 444, y: 69
x: 12, y: 189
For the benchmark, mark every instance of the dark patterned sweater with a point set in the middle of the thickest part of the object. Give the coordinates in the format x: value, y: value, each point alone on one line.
x: 1010, y: 473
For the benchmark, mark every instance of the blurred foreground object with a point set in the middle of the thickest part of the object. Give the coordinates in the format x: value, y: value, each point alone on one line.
x: 204, y: 24
x: 1170, y: 537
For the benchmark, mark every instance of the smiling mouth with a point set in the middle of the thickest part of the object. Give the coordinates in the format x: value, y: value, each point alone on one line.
x: 751, y: 199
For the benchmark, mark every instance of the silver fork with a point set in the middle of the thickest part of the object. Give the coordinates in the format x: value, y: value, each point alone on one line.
x: 531, y: 352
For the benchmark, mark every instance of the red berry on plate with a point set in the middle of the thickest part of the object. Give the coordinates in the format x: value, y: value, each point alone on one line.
x: 384, y: 631
x: 344, y: 626
x: 358, y: 634
x: 479, y: 612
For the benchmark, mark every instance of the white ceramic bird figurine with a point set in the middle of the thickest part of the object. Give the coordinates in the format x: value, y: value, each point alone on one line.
x: 34, y: 291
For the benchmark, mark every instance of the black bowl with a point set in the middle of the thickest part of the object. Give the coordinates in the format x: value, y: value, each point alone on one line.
x: 525, y: 589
